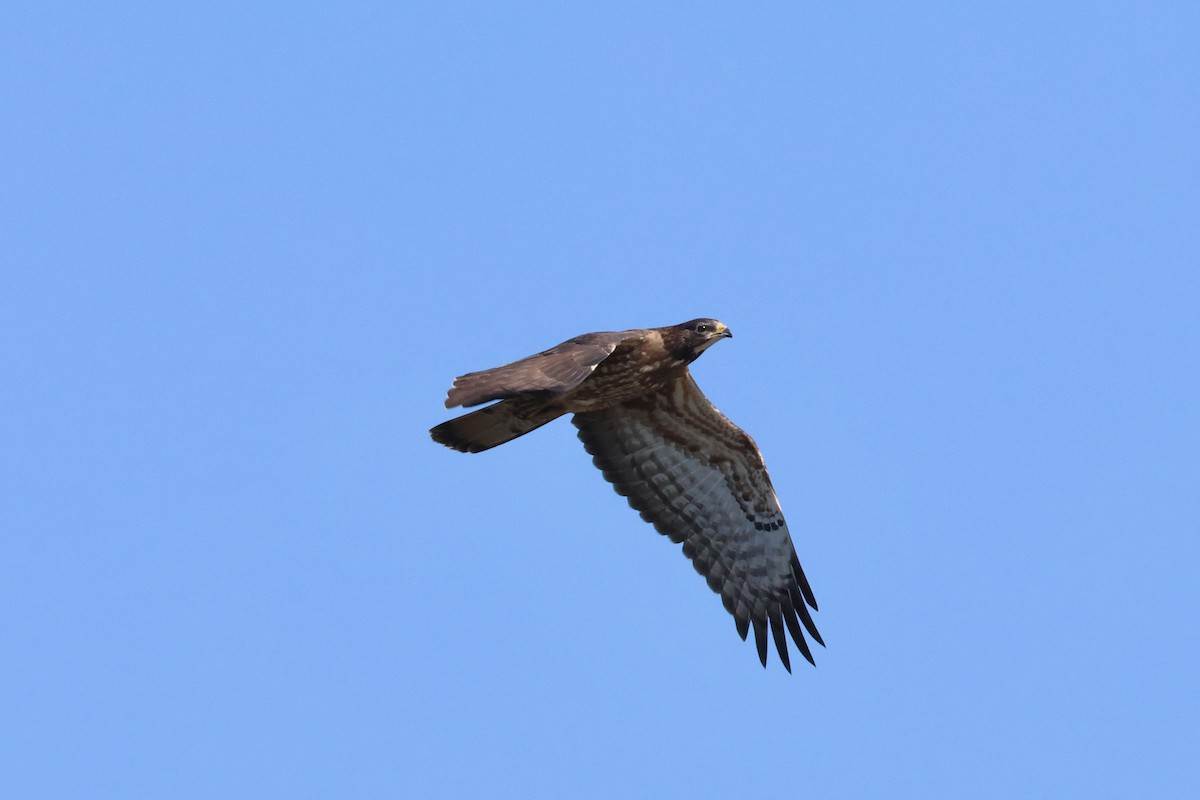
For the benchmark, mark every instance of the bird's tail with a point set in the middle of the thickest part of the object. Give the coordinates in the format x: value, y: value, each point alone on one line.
x: 484, y: 429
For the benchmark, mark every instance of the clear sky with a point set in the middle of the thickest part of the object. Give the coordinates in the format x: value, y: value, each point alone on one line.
x: 246, y: 247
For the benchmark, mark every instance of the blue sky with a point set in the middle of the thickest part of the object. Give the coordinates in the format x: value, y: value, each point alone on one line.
x: 246, y: 249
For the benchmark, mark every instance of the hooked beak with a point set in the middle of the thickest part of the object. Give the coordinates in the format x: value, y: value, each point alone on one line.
x: 724, y: 332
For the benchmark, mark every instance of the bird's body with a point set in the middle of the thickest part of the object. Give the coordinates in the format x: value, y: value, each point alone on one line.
x: 690, y: 471
x: 639, y: 365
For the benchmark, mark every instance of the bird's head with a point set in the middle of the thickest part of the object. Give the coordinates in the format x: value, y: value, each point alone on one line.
x: 695, y: 336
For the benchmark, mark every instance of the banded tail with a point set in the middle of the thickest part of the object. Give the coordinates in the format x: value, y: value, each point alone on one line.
x: 484, y: 429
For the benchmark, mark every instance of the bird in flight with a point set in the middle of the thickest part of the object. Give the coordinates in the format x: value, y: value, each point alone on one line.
x: 693, y: 474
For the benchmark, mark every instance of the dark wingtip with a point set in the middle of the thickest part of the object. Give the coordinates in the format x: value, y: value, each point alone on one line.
x: 760, y: 639
x: 788, y: 609
x: 776, y: 620
x: 797, y: 602
x: 802, y: 581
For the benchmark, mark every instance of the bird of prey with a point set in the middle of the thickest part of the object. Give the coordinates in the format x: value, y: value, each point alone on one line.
x: 697, y: 477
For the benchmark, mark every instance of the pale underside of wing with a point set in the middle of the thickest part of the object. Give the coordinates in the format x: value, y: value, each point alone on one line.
x: 701, y: 481
x: 559, y: 369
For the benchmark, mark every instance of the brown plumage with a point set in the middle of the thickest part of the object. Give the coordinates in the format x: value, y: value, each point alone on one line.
x: 697, y: 477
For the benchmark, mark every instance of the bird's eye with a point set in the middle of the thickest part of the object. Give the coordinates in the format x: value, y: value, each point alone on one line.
x: 702, y: 328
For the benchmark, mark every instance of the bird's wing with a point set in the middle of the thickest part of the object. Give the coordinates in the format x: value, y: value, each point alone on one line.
x: 701, y: 481
x: 559, y: 369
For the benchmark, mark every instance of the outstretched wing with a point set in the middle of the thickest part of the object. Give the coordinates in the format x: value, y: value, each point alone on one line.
x: 559, y: 369
x: 701, y: 481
